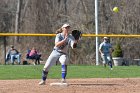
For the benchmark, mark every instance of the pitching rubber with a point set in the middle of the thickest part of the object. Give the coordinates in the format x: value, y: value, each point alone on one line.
x: 58, y: 84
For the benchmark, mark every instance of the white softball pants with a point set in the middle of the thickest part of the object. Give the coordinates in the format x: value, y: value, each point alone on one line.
x: 106, y: 58
x: 53, y: 58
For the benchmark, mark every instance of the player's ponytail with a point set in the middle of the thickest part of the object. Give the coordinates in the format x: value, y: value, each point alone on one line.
x: 59, y: 31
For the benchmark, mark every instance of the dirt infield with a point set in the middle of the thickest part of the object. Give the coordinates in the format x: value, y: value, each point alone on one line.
x: 94, y: 85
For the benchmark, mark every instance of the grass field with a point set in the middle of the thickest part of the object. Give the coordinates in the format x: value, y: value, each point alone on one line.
x: 11, y: 72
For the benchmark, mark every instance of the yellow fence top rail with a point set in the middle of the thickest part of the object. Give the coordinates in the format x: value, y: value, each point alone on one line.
x: 84, y: 35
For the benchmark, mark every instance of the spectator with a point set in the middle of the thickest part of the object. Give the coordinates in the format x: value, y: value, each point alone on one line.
x: 13, y: 54
x: 35, y: 55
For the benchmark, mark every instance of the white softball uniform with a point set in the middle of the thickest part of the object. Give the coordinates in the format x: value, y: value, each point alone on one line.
x: 105, y: 47
x: 59, y: 53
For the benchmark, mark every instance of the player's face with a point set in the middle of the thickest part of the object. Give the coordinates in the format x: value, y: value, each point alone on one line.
x: 12, y: 48
x: 106, y: 40
x: 66, y: 29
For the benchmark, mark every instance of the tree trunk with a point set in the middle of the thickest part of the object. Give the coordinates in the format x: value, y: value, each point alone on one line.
x: 17, y: 21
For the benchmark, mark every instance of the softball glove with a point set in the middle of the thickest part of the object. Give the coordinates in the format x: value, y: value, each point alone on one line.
x: 76, y: 34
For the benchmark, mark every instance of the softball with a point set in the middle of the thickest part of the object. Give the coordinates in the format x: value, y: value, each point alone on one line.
x: 115, y: 9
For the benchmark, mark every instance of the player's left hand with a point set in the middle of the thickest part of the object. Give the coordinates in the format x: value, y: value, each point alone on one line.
x: 76, y: 34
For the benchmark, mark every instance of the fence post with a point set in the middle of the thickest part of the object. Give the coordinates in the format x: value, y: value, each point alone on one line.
x: 4, y: 47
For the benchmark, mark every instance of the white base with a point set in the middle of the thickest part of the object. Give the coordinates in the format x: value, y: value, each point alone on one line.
x: 58, y: 84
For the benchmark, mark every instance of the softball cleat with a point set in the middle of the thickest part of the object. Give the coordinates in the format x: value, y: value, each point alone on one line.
x: 42, y: 82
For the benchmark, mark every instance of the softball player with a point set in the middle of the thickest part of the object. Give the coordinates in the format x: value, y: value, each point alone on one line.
x: 106, y: 49
x: 60, y: 52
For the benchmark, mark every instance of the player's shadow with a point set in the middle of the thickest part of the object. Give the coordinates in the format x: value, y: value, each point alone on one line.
x: 86, y: 84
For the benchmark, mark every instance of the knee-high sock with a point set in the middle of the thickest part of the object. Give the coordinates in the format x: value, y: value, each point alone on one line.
x: 64, y: 71
x: 110, y: 64
x: 44, y: 75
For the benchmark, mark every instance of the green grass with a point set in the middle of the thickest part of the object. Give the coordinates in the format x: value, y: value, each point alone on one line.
x: 34, y: 72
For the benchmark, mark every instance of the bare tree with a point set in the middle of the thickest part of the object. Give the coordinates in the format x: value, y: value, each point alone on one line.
x: 45, y: 16
x: 17, y: 20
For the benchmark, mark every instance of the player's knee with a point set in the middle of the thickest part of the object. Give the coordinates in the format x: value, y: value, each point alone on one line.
x: 104, y: 62
x: 109, y: 62
x: 63, y: 60
x: 45, y: 69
